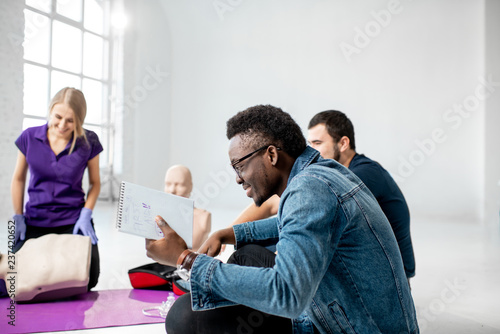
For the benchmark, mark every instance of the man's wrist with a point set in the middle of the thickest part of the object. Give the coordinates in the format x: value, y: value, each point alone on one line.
x: 185, y: 262
x: 182, y: 257
x: 189, y: 260
x: 227, y: 235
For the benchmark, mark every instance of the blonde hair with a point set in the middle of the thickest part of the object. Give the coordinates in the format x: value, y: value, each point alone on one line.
x: 76, y: 101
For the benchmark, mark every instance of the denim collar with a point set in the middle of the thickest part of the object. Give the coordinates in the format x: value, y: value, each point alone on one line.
x: 305, y: 159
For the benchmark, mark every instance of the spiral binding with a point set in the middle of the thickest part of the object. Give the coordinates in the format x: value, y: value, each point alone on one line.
x: 119, y: 213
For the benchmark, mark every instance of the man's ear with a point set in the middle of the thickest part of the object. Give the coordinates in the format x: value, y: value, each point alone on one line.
x: 344, y: 144
x: 273, y: 155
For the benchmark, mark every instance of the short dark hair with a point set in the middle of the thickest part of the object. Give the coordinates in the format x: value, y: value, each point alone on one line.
x: 266, y: 124
x: 337, y: 124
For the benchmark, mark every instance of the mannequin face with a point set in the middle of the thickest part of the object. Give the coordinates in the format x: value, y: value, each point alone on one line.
x: 62, y: 121
x: 178, y: 181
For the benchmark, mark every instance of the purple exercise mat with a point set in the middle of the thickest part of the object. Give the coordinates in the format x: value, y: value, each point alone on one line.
x: 95, y: 309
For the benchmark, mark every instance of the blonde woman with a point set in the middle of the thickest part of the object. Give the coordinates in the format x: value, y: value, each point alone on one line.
x: 57, y: 155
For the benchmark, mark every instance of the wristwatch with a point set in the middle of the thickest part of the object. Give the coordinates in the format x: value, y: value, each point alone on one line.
x: 184, y: 264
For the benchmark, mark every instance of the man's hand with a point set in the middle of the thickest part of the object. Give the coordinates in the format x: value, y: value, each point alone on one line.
x: 168, y: 249
x: 212, y: 246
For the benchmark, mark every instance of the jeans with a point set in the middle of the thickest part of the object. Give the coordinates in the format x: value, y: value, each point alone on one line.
x: 233, y: 319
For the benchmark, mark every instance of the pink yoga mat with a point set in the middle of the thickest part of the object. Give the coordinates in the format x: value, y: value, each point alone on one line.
x: 95, y: 309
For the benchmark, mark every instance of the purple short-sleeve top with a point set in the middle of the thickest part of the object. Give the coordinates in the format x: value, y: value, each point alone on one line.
x: 55, y: 193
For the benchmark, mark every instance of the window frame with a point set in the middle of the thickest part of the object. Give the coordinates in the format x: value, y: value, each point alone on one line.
x: 106, y: 125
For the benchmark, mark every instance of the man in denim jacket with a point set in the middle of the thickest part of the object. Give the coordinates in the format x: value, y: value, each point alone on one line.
x: 337, y: 268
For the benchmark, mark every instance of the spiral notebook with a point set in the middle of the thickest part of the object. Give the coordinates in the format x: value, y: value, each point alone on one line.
x: 138, y: 206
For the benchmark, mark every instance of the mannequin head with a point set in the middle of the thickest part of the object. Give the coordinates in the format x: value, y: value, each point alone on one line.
x: 178, y: 181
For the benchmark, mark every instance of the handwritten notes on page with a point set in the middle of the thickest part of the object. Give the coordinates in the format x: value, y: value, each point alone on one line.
x: 138, y: 206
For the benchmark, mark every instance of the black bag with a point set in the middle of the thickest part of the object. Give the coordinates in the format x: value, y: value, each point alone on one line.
x: 153, y: 276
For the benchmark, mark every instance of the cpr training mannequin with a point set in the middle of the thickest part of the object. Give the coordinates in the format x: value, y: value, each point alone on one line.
x: 178, y: 181
x: 50, y: 267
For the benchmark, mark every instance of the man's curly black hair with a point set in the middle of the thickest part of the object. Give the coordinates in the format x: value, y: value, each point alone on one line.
x: 267, y: 125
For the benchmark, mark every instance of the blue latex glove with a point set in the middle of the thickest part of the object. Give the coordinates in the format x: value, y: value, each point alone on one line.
x: 20, y: 227
x: 83, y: 224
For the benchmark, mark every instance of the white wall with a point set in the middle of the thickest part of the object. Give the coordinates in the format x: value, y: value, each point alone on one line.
x: 399, y: 88
x: 492, y: 119
x: 11, y: 99
x: 146, y: 103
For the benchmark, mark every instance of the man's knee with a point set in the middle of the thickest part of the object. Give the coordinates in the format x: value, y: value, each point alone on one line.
x: 252, y: 256
x: 178, y: 317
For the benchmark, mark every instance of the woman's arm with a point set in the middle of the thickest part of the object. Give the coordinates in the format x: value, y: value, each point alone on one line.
x: 94, y: 182
x: 253, y: 213
x: 18, y: 183
x: 201, y: 228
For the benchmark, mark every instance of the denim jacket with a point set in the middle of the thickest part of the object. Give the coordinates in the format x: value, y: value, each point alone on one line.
x: 338, y: 264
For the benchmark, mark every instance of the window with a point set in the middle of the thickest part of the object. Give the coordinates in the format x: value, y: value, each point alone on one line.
x: 67, y: 43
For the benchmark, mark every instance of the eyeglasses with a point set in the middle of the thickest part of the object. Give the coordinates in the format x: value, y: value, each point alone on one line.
x: 237, y: 169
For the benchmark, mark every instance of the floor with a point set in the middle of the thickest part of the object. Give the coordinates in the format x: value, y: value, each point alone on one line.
x: 456, y: 289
